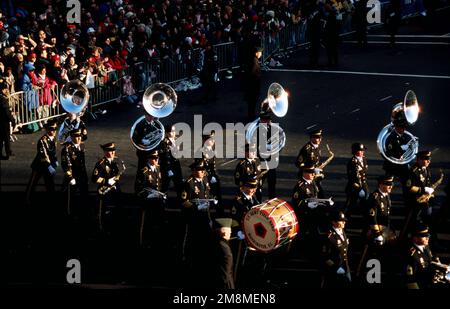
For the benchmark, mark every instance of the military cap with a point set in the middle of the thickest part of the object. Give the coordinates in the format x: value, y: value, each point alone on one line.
x: 50, y: 125
x: 358, y: 147
x: 424, y: 154
x: 265, y: 112
x: 153, y: 154
x: 108, y: 147
x: 169, y: 128
x: 198, y: 165
x: 208, y: 136
x: 309, y: 168
x: 421, y: 230
x: 222, y: 222
x: 386, y: 180
x: 338, y: 216
x: 249, y: 147
x: 75, y: 132
x: 257, y: 49
x: 316, y: 133
x: 400, y: 122
x: 251, y: 181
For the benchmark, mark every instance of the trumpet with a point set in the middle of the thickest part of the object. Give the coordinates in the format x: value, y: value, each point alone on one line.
x: 314, y: 202
x: 152, y: 193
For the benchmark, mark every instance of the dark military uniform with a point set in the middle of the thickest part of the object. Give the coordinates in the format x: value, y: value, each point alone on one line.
x: 44, y: 159
x: 393, y: 149
x: 418, y: 179
x: 309, y: 218
x: 378, y: 210
x: 419, y: 273
x: 357, y: 181
x: 209, y: 157
x: 241, y: 204
x: 253, y: 87
x: 104, y: 170
x: 197, y: 220
x: 247, y: 168
x: 153, y: 206
x: 142, y: 130
x: 222, y: 258
x: 169, y: 163
x: 308, y: 155
x: 69, y: 125
x: 335, y: 256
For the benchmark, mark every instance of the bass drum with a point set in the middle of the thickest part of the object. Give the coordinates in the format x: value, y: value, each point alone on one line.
x: 270, y: 225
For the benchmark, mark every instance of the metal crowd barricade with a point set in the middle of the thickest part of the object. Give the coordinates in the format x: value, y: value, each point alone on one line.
x: 28, y: 107
x: 227, y: 56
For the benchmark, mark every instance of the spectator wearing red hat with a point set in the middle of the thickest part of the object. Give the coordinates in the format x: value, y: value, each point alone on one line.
x: 57, y: 72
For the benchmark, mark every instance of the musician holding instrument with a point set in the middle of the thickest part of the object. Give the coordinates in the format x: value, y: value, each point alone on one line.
x: 45, y: 161
x: 310, y: 155
x: 420, y: 190
x: 142, y: 133
x: 419, y: 271
x: 248, y: 167
x: 170, y: 165
x: 396, y: 146
x: 307, y: 212
x: 106, y: 175
x: 71, y: 122
x: 73, y: 163
x: 357, y: 189
x: 336, y: 270
x: 195, y: 201
x: 244, y: 201
x: 148, y: 188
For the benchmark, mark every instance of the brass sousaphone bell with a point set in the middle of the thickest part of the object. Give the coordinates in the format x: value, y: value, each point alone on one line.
x: 277, y: 101
x: 159, y: 101
x: 407, y: 111
x: 74, y: 97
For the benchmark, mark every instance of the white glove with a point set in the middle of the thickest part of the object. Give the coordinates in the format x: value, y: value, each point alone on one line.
x: 111, y: 181
x: 145, y: 141
x: 240, y: 235
x: 51, y: 170
x: 170, y: 173
x: 73, y: 182
x: 362, y: 194
x: 404, y: 147
x: 213, y: 179
x: 429, y: 190
x: 203, y: 206
x: 152, y: 195
x: 56, y: 163
x: 313, y: 205
x: 379, y: 239
x: 340, y: 271
x: 269, y: 147
x: 317, y: 171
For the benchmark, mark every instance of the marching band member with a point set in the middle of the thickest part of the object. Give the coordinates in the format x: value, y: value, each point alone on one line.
x: 73, y: 164
x: 170, y: 164
x: 106, y: 175
x: 141, y: 132
x: 148, y: 188
x: 71, y: 122
x: 45, y: 161
x: 357, y: 189
x: 248, y: 167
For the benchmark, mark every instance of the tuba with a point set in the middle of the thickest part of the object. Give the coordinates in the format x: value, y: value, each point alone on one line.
x: 159, y: 100
x: 74, y: 97
x: 277, y: 102
x: 408, y: 111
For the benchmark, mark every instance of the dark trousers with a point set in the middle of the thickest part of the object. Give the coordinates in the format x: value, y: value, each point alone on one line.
x: 34, y: 179
x: 271, y: 177
x: 4, y: 139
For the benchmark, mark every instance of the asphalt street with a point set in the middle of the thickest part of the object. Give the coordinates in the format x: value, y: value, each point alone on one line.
x: 351, y: 103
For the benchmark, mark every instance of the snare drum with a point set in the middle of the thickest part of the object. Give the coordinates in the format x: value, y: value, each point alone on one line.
x: 270, y: 225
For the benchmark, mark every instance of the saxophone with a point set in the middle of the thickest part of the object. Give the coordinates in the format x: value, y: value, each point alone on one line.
x: 325, y: 163
x: 424, y: 198
x: 103, y: 190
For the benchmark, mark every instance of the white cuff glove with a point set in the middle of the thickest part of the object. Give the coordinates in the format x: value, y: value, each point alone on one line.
x: 312, y: 205
x: 362, y: 194
x: 317, y: 171
x: 145, y: 141
x: 170, y: 173
x: 404, y: 147
x: 429, y: 190
x: 111, y: 181
x: 51, y: 170
x: 379, y: 239
x: 213, y: 179
x: 203, y: 206
x: 240, y: 235
x: 340, y: 271
x: 73, y: 182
